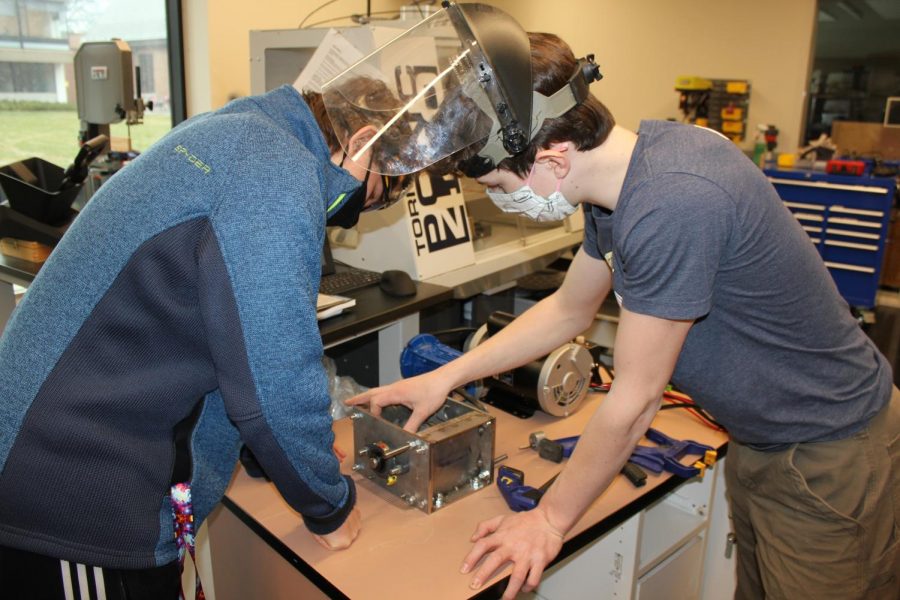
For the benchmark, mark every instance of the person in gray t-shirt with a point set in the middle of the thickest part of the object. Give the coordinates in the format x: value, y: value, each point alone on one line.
x: 721, y: 292
x: 698, y: 234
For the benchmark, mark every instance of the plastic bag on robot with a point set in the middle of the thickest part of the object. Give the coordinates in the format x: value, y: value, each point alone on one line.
x: 340, y: 389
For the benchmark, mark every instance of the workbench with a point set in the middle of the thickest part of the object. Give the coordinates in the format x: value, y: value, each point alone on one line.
x: 260, y: 549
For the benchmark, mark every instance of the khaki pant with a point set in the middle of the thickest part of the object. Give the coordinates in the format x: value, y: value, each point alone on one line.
x: 820, y: 520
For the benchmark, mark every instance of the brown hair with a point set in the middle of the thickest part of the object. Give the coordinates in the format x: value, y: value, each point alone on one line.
x: 317, y: 107
x: 586, y: 125
x: 372, y: 99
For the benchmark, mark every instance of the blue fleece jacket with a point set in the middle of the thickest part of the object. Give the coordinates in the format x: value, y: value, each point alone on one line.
x: 188, y: 283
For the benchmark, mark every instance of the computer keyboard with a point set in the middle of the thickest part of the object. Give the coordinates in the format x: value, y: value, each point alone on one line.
x: 346, y: 281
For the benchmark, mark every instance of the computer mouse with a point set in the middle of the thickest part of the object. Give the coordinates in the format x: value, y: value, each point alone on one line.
x: 397, y: 283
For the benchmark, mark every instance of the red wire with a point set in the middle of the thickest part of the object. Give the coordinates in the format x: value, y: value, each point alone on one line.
x: 673, y: 398
x: 697, y: 415
x: 678, y: 396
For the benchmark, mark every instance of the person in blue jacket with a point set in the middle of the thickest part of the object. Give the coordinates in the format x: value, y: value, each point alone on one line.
x: 175, y: 320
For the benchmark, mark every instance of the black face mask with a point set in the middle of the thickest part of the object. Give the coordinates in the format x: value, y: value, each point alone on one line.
x: 347, y: 214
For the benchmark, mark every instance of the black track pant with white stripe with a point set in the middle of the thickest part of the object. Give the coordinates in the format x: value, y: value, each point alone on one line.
x: 27, y: 576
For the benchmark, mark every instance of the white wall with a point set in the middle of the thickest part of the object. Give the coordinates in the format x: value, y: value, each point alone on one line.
x: 217, y: 40
x: 197, y: 62
x: 641, y: 45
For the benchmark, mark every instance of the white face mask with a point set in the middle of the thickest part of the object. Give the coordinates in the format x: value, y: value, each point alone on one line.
x: 526, y: 201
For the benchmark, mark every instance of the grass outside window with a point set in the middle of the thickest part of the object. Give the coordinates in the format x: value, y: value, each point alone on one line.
x: 53, y: 134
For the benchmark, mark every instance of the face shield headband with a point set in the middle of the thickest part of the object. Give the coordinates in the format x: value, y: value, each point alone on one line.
x: 570, y: 95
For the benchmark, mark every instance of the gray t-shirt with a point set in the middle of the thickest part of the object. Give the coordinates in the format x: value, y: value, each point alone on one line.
x: 699, y: 233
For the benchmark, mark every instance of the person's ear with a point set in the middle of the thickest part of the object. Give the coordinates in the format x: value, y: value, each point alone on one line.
x: 359, y: 139
x: 557, y: 157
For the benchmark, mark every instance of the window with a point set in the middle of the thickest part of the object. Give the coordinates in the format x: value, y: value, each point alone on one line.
x: 148, y: 81
x: 41, y: 20
x: 27, y: 78
x: 9, y: 21
x: 38, y: 42
x: 856, y: 57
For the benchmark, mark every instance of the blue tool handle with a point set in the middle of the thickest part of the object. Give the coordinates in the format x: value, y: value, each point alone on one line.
x: 655, y: 435
x: 697, y: 448
x: 684, y: 446
x: 508, y: 479
x: 653, y: 459
x: 649, y: 458
x: 674, y: 466
x: 568, y: 445
x: 557, y: 450
x: 518, y: 496
x: 526, y: 498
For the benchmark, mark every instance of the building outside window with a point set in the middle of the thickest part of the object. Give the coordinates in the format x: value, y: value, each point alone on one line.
x: 148, y: 80
x: 36, y: 80
x: 38, y: 41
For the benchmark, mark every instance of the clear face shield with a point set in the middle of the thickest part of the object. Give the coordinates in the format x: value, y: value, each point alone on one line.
x: 460, y: 78
x: 444, y: 90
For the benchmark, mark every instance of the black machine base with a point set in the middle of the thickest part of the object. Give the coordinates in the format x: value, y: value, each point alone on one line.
x: 17, y: 225
x: 512, y: 403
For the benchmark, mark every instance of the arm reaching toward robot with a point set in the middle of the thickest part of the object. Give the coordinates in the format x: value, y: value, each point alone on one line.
x: 552, y: 321
x: 646, y: 351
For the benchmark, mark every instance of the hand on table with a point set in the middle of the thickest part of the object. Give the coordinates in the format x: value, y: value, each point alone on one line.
x: 343, y: 536
x: 527, y: 539
x: 423, y: 395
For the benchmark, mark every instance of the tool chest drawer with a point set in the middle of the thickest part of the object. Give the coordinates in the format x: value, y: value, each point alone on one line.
x: 847, y: 219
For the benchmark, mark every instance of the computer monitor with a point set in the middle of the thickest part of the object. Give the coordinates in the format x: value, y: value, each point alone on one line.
x: 277, y: 57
